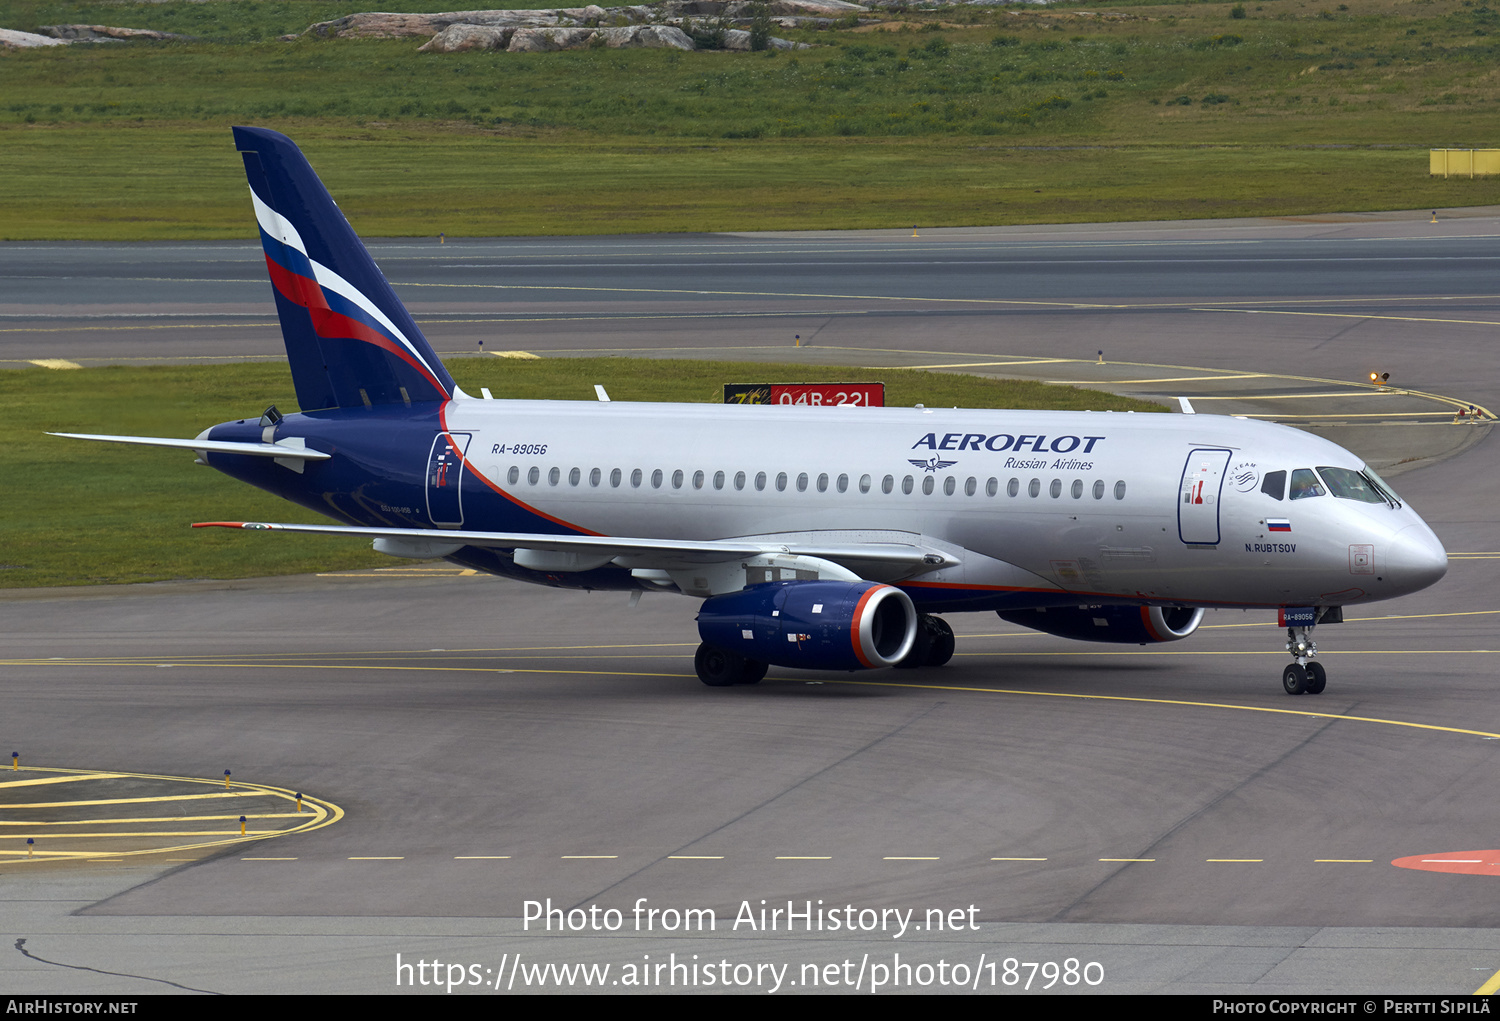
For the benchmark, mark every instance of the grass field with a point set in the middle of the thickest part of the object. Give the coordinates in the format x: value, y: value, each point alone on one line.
x: 77, y: 513
x: 963, y: 116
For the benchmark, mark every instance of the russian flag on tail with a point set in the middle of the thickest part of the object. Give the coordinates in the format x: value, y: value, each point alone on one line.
x: 349, y: 340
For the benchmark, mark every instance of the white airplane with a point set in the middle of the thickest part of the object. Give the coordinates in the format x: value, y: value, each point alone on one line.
x: 820, y: 538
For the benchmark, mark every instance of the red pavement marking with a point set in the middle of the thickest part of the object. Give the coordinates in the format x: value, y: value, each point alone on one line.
x: 1470, y: 863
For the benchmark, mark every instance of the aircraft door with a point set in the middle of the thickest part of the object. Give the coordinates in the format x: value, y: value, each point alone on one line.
x: 445, y: 477
x: 1198, y: 497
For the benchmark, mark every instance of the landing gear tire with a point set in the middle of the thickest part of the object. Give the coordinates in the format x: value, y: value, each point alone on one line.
x: 719, y: 668
x: 1294, y: 679
x: 1317, y: 678
x: 933, y: 645
x: 754, y: 671
x: 941, y: 649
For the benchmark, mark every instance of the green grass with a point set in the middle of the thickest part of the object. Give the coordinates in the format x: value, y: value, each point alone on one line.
x: 1170, y: 110
x: 78, y: 513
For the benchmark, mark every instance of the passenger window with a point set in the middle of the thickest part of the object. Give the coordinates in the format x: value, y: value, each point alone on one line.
x: 1305, y: 484
x: 573, y: 476
x: 760, y: 481
x: 677, y: 479
x: 1077, y: 489
x: 1012, y: 487
x: 614, y: 478
x: 739, y: 480
x: 971, y: 486
x: 514, y: 475
x: 594, y: 477
x: 718, y: 480
x: 697, y: 480
x: 992, y: 487
x: 1035, y: 489
x: 927, y: 484
x: 1274, y: 485
x: 1098, y: 489
x: 887, y: 483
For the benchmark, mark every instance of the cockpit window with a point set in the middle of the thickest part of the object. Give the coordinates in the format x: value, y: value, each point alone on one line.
x: 1381, y: 486
x: 1274, y: 485
x: 1350, y: 485
x: 1305, y: 484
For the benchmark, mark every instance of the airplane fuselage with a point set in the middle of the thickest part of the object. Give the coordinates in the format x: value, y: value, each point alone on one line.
x: 1040, y: 508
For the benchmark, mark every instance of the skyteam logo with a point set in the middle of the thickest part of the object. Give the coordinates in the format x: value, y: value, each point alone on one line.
x: 998, y: 442
x: 932, y: 464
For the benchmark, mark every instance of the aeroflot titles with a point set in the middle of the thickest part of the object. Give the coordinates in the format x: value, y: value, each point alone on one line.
x: 1005, y: 441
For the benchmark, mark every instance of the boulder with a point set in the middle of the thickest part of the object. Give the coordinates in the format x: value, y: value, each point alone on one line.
x: 102, y: 33
x: 457, y: 38
x: 10, y: 39
x: 376, y: 25
x: 739, y: 39
x: 646, y: 36
x: 546, y: 40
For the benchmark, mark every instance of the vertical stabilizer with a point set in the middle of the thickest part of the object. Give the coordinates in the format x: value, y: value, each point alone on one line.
x: 349, y: 340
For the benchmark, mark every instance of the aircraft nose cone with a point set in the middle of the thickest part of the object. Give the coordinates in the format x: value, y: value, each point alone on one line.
x: 1417, y: 559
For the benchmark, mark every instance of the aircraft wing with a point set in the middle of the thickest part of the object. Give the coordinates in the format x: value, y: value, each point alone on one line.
x: 913, y: 556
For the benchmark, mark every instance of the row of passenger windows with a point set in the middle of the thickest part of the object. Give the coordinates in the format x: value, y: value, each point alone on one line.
x: 679, y: 479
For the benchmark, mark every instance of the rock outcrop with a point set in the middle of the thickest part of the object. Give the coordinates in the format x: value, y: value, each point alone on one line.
x: 105, y: 33
x: 11, y: 39
x: 379, y: 25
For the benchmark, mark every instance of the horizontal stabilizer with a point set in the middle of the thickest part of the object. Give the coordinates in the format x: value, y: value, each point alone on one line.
x: 277, y: 450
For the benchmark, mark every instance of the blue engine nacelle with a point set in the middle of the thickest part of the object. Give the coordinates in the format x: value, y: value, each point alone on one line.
x: 1124, y: 624
x: 813, y: 625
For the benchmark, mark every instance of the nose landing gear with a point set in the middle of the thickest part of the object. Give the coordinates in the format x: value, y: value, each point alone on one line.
x: 1306, y: 675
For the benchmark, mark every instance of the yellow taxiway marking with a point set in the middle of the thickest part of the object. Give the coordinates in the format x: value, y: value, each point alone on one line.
x: 1343, y: 861
x: 54, y: 363
x: 481, y: 857
x: 136, y: 801
x: 1018, y: 859
x: 695, y: 857
x: 978, y: 365
x: 585, y: 857
x: 268, y: 859
x: 900, y: 857
x: 1127, y: 859
x: 1490, y: 987
x: 804, y: 857
x: 59, y: 779
x: 145, y: 819
x: 523, y: 355
x: 1240, y: 861
x: 1187, y: 702
x: 315, y: 815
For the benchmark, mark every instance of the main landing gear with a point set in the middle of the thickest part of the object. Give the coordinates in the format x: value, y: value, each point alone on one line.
x: 1306, y: 675
x: 933, y: 645
x: 720, y: 668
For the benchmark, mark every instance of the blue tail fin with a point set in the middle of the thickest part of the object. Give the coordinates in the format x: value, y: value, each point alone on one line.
x: 350, y: 341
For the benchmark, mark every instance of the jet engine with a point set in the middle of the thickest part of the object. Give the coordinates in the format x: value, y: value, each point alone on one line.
x: 1124, y: 624
x: 813, y: 625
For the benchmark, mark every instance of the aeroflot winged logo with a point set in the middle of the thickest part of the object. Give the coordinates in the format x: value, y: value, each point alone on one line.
x: 998, y: 442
